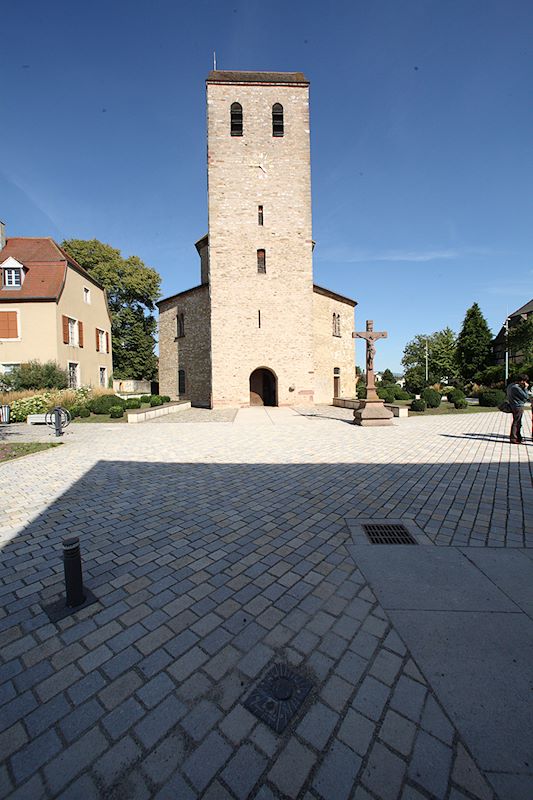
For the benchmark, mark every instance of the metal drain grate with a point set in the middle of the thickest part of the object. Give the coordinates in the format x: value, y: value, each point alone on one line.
x: 381, y: 533
x: 278, y: 697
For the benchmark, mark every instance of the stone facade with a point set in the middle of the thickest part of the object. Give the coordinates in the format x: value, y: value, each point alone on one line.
x: 255, y: 314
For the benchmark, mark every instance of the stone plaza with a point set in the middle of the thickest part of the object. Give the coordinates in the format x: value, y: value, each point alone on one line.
x: 221, y: 543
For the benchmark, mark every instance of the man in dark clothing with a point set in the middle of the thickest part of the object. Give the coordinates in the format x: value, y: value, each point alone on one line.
x: 517, y: 396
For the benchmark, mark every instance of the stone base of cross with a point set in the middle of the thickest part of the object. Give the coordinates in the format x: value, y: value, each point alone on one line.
x: 371, y: 412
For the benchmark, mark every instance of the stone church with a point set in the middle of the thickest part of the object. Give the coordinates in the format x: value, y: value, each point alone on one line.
x: 257, y: 330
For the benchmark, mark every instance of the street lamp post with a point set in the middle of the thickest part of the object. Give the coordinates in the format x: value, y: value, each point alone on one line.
x: 427, y: 362
x: 506, y: 326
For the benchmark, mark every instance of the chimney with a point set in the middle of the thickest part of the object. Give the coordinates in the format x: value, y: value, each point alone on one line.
x: 2, y: 235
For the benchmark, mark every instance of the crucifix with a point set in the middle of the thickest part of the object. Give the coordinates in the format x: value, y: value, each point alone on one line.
x: 371, y: 336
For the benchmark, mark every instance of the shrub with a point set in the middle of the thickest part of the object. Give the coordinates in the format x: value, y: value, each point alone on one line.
x: 103, y: 403
x: 145, y: 399
x: 399, y: 393
x: 418, y: 405
x: 156, y: 400
x: 116, y: 412
x: 165, y: 398
x: 133, y: 402
x: 37, y: 404
x: 454, y: 395
x: 386, y: 394
x: 34, y: 375
x: 74, y: 411
x: 490, y: 398
x: 431, y: 397
x: 460, y: 402
x: 361, y: 391
x: 491, y: 376
x: 84, y: 411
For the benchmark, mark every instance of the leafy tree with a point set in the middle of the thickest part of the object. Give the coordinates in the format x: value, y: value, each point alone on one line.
x: 473, y: 344
x: 520, y: 339
x: 132, y: 290
x: 415, y: 379
x: 387, y: 376
x: 441, y: 347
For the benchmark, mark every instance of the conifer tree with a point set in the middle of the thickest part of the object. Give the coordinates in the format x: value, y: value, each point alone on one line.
x: 473, y: 351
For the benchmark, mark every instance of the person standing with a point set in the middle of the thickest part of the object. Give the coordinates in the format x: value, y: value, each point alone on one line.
x: 517, y: 396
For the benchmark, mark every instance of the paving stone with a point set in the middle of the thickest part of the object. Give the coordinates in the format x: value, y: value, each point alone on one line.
x: 198, y: 722
x: 318, y: 725
x: 154, y: 691
x: 292, y: 768
x: 336, y: 776
x: 176, y: 788
x: 32, y: 790
x: 255, y: 660
x: 237, y: 724
x: 116, y: 760
x: 120, y: 689
x: 83, y: 717
x: 356, y: 731
x: 243, y: 771
x: 408, y: 698
x: 84, y: 787
x: 262, y: 737
x: 118, y: 721
x: 336, y: 692
x: 164, y: 760
x: 206, y: 760
x: 386, y: 667
x: 371, y: 698
x: 435, y: 722
x: 74, y: 759
x: 431, y: 764
x: 159, y: 721
x: 384, y: 772
x: 34, y: 754
x: 398, y: 732
x: 58, y: 682
x: 466, y: 774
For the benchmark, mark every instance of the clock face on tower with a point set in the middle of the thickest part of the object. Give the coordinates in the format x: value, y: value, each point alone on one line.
x: 261, y: 164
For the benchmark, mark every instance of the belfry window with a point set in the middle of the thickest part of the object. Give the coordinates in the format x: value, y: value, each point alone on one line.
x: 236, y: 119
x: 277, y: 120
x: 336, y: 324
x: 180, y: 326
x: 261, y: 261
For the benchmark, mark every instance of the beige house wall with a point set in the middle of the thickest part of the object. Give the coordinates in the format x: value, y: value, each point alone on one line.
x: 333, y: 351
x: 190, y: 352
x: 37, y: 340
x: 93, y: 315
x: 243, y: 173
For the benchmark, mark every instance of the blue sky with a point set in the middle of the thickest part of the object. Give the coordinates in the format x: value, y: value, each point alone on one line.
x: 421, y: 121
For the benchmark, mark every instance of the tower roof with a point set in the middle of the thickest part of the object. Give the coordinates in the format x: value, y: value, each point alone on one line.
x: 225, y: 76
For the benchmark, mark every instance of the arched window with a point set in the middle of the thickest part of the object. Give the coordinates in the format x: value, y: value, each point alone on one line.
x: 236, y: 119
x: 336, y: 324
x: 261, y: 261
x: 277, y: 119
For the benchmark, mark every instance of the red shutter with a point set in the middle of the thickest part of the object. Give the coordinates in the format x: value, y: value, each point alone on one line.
x: 97, y: 341
x: 80, y: 333
x: 8, y: 325
x: 107, y: 342
x: 65, y: 330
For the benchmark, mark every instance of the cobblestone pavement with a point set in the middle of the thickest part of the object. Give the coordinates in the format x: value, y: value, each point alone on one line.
x: 214, y: 552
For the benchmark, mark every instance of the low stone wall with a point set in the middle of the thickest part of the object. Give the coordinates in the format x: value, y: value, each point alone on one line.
x: 342, y: 402
x: 136, y: 415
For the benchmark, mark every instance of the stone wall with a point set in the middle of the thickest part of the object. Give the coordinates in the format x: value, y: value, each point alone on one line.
x: 189, y: 352
x: 260, y: 320
x: 333, y: 351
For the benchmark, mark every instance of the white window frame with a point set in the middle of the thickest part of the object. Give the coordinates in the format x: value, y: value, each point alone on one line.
x: 101, y: 341
x: 10, y: 268
x: 104, y: 384
x: 19, y: 337
x: 86, y: 295
x: 78, y: 375
x: 73, y: 332
x: 11, y: 365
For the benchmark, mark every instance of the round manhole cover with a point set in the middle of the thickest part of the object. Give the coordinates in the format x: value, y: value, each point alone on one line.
x: 282, y: 688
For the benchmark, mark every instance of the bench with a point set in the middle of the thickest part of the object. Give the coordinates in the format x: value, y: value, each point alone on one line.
x: 36, y: 419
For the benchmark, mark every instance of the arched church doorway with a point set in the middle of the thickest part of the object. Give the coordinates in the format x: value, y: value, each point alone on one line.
x: 263, y: 388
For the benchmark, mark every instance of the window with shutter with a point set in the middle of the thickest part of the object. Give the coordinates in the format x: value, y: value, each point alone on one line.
x: 8, y: 325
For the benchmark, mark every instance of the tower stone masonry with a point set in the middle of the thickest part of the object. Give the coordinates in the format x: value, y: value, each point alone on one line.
x: 256, y: 330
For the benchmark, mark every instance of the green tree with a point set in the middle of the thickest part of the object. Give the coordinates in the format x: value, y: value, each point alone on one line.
x: 387, y: 376
x: 132, y: 290
x: 473, y: 344
x: 520, y: 339
x: 441, y: 347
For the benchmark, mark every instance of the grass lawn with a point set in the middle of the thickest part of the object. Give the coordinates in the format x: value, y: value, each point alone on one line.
x: 10, y: 451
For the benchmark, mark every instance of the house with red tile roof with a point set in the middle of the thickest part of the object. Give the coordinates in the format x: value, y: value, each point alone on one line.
x: 52, y: 309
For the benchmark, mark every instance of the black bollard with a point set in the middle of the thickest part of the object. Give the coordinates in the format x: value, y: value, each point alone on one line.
x: 57, y: 422
x: 73, y: 576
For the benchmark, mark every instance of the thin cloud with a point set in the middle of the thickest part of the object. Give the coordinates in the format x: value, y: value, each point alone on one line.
x: 364, y: 256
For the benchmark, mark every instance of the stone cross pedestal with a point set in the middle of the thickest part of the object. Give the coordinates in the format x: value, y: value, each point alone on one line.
x: 371, y: 411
